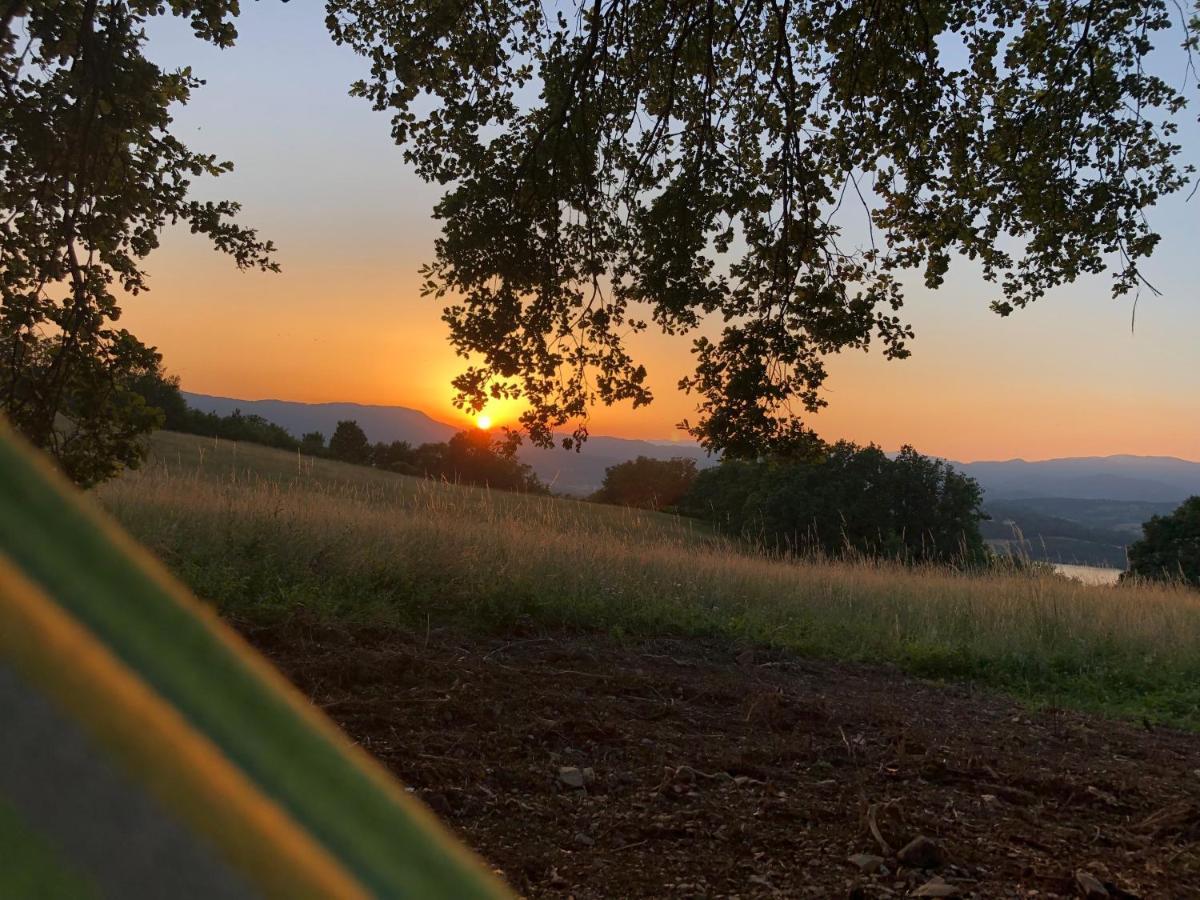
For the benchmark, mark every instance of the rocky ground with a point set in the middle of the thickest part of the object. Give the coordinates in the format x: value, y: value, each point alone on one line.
x: 582, y: 767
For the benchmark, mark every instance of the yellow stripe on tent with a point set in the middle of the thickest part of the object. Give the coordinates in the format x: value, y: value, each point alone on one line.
x: 184, y: 769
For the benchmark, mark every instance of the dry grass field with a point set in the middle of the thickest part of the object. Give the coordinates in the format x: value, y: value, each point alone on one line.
x: 264, y: 534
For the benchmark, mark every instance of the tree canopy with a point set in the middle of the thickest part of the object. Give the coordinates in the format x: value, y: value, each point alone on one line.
x: 1169, y: 549
x: 847, y: 500
x: 486, y: 458
x: 90, y: 173
x: 759, y: 175
x: 612, y: 167
x: 349, y: 443
x: 647, y: 483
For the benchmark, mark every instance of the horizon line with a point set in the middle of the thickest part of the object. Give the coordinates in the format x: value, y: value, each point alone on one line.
x: 690, y: 443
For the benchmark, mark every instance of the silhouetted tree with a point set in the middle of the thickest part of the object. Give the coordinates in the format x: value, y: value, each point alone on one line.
x: 847, y: 499
x: 609, y: 167
x: 91, y: 174
x: 678, y: 158
x: 1169, y: 549
x: 313, y: 443
x: 349, y: 443
x: 161, y: 391
x: 476, y: 456
x: 647, y: 483
x: 398, y: 456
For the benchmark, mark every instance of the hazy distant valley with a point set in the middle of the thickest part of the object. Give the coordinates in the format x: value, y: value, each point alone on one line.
x: 567, y: 472
x: 1080, y: 510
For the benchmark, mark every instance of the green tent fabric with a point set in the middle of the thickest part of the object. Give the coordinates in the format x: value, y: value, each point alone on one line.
x: 147, y: 751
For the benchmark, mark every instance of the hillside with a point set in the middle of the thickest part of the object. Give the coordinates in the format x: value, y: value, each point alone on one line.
x: 1079, y: 511
x: 262, y: 532
x: 381, y: 423
x: 567, y: 471
x: 1068, y: 530
x: 1131, y: 479
x: 606, y: 702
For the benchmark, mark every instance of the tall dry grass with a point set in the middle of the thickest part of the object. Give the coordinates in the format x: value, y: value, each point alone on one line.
x: 262, y: 533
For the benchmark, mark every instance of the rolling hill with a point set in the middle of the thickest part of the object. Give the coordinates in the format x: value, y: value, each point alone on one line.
x: 1125, y: 479
x: 381, y: 423
x: 567, y: 471
x: 1080, y: 532
x: 1083, y: 510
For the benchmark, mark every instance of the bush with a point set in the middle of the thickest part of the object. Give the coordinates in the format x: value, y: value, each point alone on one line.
x: 846, y: 500
x: 1170, y: 546
x: 478, y: 457
x: 313, y: 443
x: 647, y: 483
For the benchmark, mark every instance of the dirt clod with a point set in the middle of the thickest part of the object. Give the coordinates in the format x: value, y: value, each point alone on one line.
x: 921, y: 853
x: 867, y: 863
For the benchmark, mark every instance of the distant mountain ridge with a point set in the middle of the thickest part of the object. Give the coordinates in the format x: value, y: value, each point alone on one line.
x: 564, y: 470
x: 1148, y: 479
x: 1119, y: 477
x: 1083, y: 510
x: 381, y: 423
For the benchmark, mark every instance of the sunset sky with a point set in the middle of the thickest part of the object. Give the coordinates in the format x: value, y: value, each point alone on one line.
x: 318, y: 174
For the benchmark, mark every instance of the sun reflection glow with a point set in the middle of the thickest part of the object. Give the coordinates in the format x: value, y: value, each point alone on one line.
x: 484, y: 422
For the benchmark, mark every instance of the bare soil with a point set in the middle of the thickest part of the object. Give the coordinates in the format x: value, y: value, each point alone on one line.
x: 580, y: 766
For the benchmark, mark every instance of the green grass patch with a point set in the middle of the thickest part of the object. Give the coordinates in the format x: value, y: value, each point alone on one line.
x: 263, y: 533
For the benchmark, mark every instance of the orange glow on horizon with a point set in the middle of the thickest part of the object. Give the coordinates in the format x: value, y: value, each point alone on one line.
x: 348, y: 320
x: 962, y: 399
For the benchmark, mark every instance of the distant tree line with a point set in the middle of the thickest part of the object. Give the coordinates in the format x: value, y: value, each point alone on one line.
x: 162, y: 391
x: 469, y: 457
x: 835, y: 499
x: 474, y: 456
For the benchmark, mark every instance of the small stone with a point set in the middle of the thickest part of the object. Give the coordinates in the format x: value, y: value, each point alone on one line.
x: 866, y: 863
x: 583, y: 839
x: 1090, y: 886
x: 935, y: 888
x: 921, y: 853
x: 575, y: 777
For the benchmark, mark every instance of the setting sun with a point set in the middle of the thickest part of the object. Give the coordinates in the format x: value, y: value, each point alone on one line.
x: 484, y: 422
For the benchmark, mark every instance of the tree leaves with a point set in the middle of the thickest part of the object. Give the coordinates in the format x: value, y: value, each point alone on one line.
x: 611, y: 164
x: 91, y: 176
